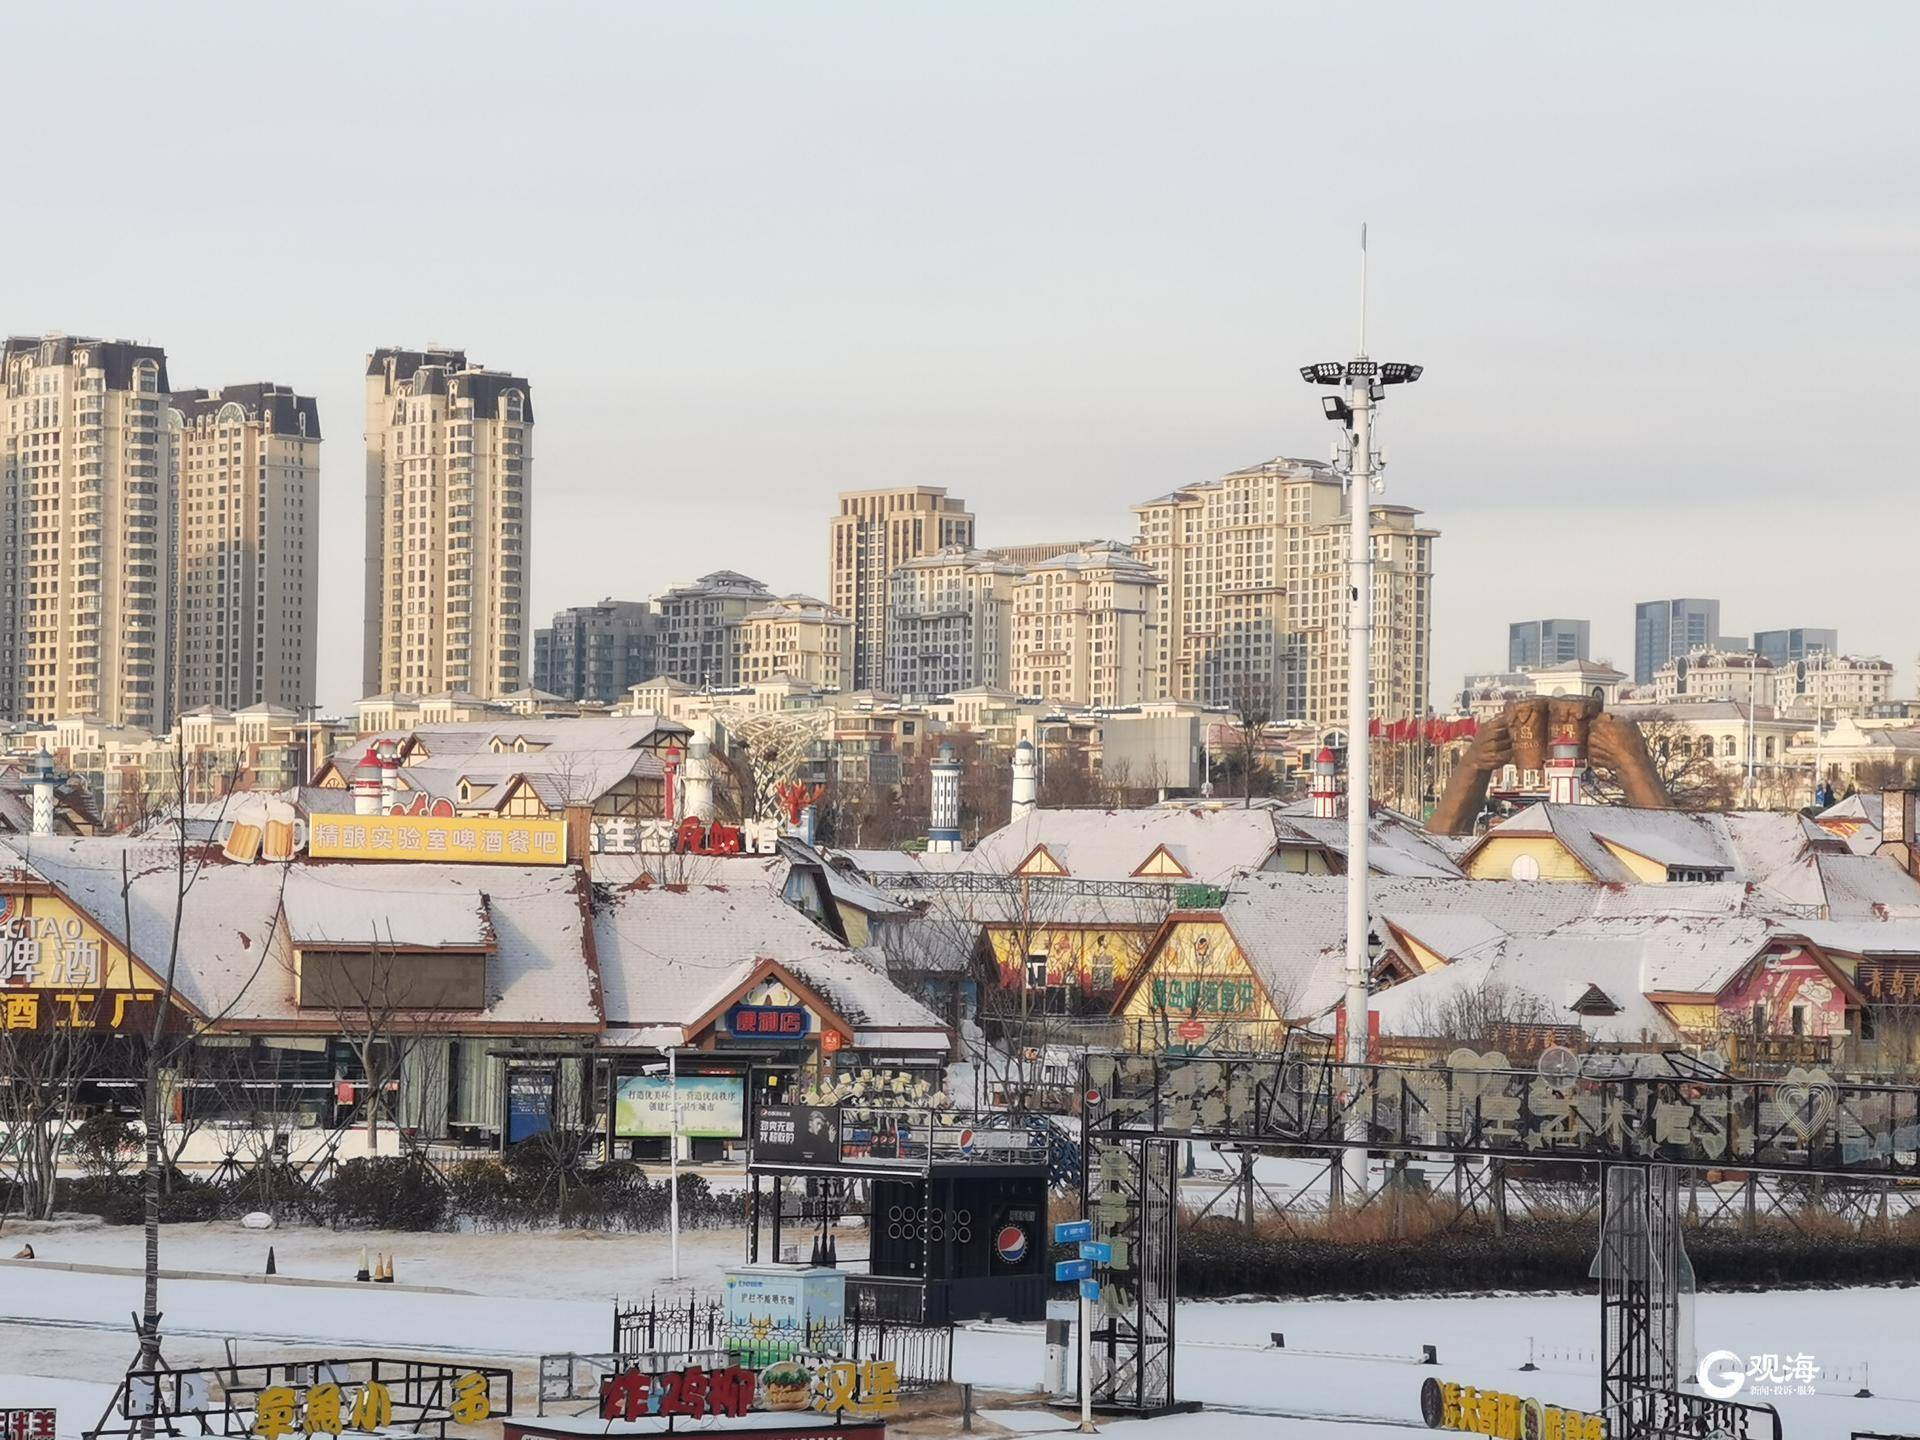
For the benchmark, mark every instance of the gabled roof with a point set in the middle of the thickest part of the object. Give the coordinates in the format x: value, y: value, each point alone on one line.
x: 236, y: 945
x: 1212, y: 844
x: 1778, y: 852
x: 670, y: 953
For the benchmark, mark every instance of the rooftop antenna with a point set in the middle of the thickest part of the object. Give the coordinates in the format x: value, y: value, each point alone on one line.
x: 1363, y: 287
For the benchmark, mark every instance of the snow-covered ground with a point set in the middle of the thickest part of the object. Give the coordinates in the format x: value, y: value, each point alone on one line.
x: 1348, y: 1368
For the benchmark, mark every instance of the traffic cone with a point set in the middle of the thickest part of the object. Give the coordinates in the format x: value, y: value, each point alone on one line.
x: 384, y: 1276
x: 362, y: 1274
x: 25, y: 1252
x: 271, y: 1270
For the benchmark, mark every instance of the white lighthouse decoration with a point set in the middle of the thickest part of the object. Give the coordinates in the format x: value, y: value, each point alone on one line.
x: 943, y: 823
x: 1565, y: 765
x: 1326, y: 785
x: 1026, y: 780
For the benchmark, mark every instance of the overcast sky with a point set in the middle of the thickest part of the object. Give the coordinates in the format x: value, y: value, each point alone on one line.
x: 1662, y: 263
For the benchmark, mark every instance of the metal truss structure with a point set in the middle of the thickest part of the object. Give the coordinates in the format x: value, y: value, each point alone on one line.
x: 1131, y: 1193
x: 776, y: 745
x: 1640, y: 1130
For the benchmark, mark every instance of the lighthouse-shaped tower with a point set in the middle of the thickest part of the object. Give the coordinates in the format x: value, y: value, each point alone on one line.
x: 1026, y: 780
x: 1565, y: 766
x: 943, y: 823
x: 1326, y: 786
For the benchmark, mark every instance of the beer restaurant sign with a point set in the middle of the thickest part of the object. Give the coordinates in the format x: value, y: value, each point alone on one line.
x: 459, y: 839
x: 59, y: 972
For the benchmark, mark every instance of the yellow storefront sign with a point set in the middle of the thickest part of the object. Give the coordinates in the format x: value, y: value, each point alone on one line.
x: 450, y: 839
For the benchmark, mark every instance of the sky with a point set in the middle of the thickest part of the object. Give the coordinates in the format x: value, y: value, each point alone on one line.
x: 1661, y: 263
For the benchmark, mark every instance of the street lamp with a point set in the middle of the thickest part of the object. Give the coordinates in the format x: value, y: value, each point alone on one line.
x: 1364, y: 382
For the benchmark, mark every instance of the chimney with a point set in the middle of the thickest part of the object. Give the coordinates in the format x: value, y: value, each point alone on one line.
x: 943, y: 823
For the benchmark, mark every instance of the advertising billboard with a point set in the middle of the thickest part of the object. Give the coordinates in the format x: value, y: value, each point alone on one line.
x: 712, y: 1107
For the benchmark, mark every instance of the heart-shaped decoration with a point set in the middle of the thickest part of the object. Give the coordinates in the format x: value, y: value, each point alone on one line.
x: 1807, y: 1100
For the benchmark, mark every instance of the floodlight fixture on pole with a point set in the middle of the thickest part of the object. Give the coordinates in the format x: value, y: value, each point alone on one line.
x: 1364, y: 382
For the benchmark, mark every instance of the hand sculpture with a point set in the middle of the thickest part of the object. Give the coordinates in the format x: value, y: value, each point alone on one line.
x: 1520, y: 735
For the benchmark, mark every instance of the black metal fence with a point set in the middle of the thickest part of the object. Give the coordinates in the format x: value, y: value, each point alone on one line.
x: 922, y: 1355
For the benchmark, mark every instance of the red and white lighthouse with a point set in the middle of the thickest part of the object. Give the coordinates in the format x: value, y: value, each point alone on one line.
x: 1565, y: 766
x: 1326, y: 786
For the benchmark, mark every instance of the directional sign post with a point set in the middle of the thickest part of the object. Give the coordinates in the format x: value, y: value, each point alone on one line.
x: 1092, y: 1252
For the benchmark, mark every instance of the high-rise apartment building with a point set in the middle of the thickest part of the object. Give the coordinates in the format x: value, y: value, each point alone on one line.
x: 1534, y: 643
x: 950, y: 622
x: 1783, y: 647
x: 594, y: 652
x: 874, y: 533
x: 86, y: 532
x: 1085, y: 628
x: 449, y: 457
x: 1253, y: 593
x: 1666, y: 630
x: 246, y: 488
x: 800, y: 638
x: 700, y: 627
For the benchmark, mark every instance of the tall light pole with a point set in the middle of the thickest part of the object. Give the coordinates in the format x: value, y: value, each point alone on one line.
x: 1364, y: 384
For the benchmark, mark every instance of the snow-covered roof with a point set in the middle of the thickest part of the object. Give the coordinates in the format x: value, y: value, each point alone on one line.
x: 1211, y: 843
x: 1779, y: 853
x: 1292, y: 928
x: 670, y: 954
x: 1555, y: 971
x: 239, y: 925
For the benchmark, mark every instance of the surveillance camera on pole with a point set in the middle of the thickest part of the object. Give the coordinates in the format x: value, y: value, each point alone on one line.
x: 1364, y: 383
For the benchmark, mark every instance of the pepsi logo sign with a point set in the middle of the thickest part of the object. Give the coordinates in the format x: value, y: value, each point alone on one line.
x: 1011, y: 1244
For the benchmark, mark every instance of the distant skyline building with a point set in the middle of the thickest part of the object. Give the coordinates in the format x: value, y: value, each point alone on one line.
x: 797, y: 637
x: 700, y: 627
x: 449, y: 448
x: 875, y: 532
x: 246, y: 484
x: 1084, y: 629
x: 1665, y: 630
x: 86, y: 538
x: 594, y: 652
x: 1252, y: 571
x: 950, y: 622
x: 1532, y: 643
x: 1783, y: 647
x: 1031, y: 552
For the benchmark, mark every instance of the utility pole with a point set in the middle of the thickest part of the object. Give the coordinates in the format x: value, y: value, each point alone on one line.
x: 1364, y: 383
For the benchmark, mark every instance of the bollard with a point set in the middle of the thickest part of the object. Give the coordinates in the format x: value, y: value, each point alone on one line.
x: 1529, y: 1365
x: 1429, y: 1355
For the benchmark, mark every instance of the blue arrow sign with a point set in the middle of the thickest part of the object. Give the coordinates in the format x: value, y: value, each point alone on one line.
x: 1090, y: 1291
x: 1073, y: 1270
x: 1098, y: 1251
x: 1068, y: 1231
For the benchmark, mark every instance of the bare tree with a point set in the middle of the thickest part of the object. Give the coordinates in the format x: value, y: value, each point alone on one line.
x: 1684, y: 763
x: 41, y: 1070
x: 386, y: 1007
x: 1254, y: 702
